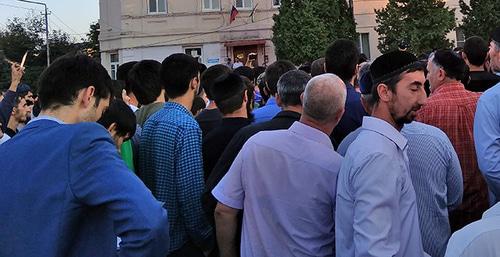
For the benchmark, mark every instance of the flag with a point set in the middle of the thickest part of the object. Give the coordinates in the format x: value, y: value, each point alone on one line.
x: 234, y: 12
x: 252, y: 14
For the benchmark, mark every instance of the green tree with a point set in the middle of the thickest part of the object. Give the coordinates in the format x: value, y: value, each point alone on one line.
x: 91, y: 43
x: 304, y: 28
x: 423, y: 24
x: 480, y: 17
x: 21, y: 35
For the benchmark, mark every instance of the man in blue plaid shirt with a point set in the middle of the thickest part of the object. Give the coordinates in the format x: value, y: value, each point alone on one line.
x: 170, y: 159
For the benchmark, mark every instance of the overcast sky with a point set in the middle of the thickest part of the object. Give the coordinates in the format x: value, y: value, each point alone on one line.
x: 71, y: 16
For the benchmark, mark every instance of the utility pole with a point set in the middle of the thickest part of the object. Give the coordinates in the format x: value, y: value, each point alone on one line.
x: 46, y: 27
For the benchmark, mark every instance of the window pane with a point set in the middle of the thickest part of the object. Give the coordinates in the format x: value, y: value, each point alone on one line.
x: 215, y: 4
x: 276, y: 2
x: 365, y: 42
x: 248, y: 3
x: 239, y: 3
x: 152, y: 5
x: 114, y: 57
x: 206, y: 4
x: 162, y: 5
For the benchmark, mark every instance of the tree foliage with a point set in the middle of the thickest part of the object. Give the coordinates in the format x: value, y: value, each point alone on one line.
x: 304, y: 28
x: 480, y: 17
x: 28, y: 34
x: 423, y: 24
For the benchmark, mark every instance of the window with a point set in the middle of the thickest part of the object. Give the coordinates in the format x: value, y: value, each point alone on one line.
x: 460, y: 37
x: 364, y: 44
x: 243, y: 4
x: 194, y: 52
x: 211, y: 5
x: 276, y: 2
x: 157, y: 6
x: 114, y: 60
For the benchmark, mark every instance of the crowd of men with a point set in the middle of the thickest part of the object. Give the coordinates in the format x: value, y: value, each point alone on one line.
x: 343, y: 157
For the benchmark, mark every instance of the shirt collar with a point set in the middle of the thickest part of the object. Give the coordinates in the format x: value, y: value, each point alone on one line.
x: 311, y: 133
x: 451, y: 86
x: 492, y: 212
x: 271, y: 101
x: 46, y: 117
x: 384, y: 128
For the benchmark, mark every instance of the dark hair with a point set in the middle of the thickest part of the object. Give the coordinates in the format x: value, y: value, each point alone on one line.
x: 228, y: 92
x: 122, y: 74
x: 256, y: 72
x: 120, y: 113
x: 208, y: 77
x: 452, y: 64
x: 362, y: 58
x: 341, y: 59
x: 60, y: 83
x: 176, y: 73
x: 202, y: 67
x: 198, y: 104
x: 318, y: 67
x: 117, y: 88
x: 245, y: 71
x: 305, y: 67
x: 476, y: 49
x: 274, y: 72
x: 144, y: 81
x: 250, y: 93
x: 291, y: 85
x: 392, y: 83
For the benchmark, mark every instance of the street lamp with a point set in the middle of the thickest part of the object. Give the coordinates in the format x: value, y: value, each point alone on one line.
x: 46, y: 27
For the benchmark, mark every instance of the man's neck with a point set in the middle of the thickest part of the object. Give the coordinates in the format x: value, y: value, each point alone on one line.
x: 185, y: 100
x: 383, y: 113
x: 66, y: 114
x: 211, y: 105
x: 160, y: 98
x: 240, y: 113
x: 325, y: 128
x: 293, y: 108
x: 475, y: 68
x: 12, y: 124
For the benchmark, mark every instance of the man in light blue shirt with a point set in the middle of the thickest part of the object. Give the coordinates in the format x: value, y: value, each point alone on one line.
x: 284, y: 180
x: 479, y: 238
x: 271, y: 76
x: 376, y: 209
x: 435, y: 172
x: 487, y: 126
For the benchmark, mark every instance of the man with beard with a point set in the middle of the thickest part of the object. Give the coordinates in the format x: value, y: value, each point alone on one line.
x: 376, y: 209
x: 19, y: 115
x: 451, y: 108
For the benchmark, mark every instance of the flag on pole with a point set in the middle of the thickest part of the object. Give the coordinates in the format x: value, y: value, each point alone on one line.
x: 252, y: 14
x: 234, y: 12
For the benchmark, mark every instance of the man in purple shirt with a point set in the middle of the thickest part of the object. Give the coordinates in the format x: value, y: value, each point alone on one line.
x: 285, y: 181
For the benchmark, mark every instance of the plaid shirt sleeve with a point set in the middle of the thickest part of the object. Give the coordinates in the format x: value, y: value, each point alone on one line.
x: 189, y: 170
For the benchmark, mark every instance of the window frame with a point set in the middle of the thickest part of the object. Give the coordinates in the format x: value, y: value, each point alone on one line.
x: 361, y: 46
x: 200, y: 57
x: 157, y: 12
x: 278, y: 5
x: 114, y: 64
x: 243, y: 7
x: 211, y: 9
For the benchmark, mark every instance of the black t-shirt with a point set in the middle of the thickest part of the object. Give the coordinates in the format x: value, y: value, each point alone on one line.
x: 216, y: 141
x: 481, y: 81
x: 208, y: 120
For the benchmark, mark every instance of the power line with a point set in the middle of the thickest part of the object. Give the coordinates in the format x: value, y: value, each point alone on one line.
x: 19, y: 7
x: 59, y: 19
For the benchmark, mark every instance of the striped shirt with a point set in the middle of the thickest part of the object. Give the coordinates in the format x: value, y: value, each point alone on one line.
x: 171, y: 167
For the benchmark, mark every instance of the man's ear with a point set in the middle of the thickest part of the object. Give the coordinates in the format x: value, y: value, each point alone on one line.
x: 113, y: 129
x: 278, y: 100
x: 384, y: 93
x: 85, y: 96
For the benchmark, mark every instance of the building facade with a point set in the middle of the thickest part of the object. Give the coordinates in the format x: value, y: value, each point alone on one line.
x: 153, y: 29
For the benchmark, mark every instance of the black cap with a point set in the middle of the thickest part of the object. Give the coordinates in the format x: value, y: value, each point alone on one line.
x: 495, y: 35
x: 391, y: 64
x: 226, y: 86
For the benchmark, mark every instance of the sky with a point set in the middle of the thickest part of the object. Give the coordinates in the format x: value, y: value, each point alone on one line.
x: 71, y: 16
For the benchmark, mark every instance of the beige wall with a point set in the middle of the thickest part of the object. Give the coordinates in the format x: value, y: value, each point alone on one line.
x: 127, y: 28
